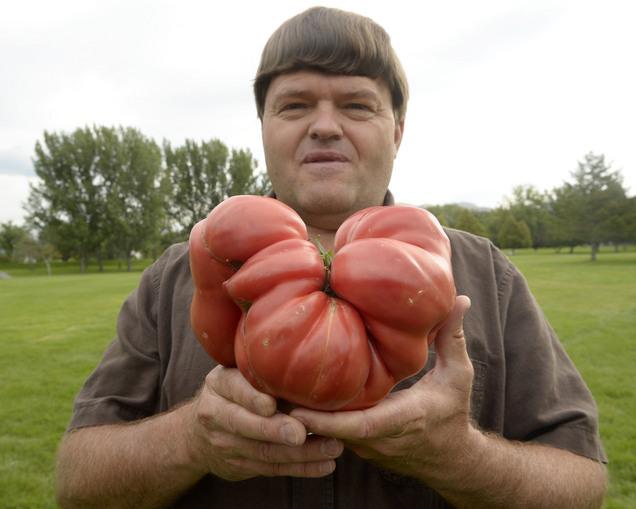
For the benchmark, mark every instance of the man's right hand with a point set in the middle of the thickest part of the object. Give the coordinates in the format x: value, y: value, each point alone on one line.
x: 236, y: 433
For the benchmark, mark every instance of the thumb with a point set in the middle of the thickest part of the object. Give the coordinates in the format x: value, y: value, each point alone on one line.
x: 450, y: 343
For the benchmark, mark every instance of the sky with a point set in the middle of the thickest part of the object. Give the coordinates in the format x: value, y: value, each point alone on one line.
x: 503, y: 93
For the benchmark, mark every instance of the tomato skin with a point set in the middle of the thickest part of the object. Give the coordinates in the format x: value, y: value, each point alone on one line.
x: 312, y: 350
x: 241, y: 226
x: 233, y: 231
x: 291, y: 259
x: 336, y: 339
x: 213, y: 314
x: 397, y: 294
x: 412, y: 225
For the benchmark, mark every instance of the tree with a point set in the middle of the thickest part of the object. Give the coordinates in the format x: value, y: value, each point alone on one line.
x: 241, y: 176
x: 197, y: 179
x: 67, y: 202
x: 10, y: 235
x: 531, y: 206
x: 98, y: 192
x: 467, y: 221
x: 630, y: 220
x: 30, y: 250
x: 130, y: 164
x: 589, y: 209
x: 458, y: 217
x: 513, y: 234
x: 202, y: 175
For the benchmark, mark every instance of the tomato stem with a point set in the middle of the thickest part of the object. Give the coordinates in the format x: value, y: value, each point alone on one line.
x: 327, y: 259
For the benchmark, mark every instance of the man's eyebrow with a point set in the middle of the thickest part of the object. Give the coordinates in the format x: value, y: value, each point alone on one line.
x: 357, y: 93
x: 361, y: 93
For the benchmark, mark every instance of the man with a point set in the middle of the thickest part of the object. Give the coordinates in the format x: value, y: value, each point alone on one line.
x: 500, y: 419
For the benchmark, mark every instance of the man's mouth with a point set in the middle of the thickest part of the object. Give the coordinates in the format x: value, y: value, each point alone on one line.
x: 324, y: 156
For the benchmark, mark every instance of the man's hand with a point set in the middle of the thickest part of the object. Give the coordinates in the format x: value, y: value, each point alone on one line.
x: 411, y: 430
x: 236, y: 433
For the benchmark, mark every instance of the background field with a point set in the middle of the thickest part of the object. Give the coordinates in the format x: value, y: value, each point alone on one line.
x: 53, y: 330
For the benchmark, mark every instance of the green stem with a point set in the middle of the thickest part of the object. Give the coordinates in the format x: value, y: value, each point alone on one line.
x: 327, y: 259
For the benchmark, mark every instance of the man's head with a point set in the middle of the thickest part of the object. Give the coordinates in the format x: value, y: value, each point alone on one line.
x: 331, y: 96
x: 334, y: 42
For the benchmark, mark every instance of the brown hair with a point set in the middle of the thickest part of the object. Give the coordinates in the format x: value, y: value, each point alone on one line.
x: 334, y: 42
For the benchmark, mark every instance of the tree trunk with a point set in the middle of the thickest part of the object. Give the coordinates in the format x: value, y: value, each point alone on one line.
x: 129, y: 261
x: 47, y: 262
x: 100, y: 262
x: 82, y: 264
x: 594, y: 251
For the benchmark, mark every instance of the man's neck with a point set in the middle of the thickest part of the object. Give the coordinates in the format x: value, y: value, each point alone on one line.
x: 325, y: 237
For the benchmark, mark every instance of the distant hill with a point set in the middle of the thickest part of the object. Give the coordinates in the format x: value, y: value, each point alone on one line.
x: 463, y: 204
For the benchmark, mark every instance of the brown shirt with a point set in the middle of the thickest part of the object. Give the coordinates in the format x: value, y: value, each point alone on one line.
x: 525, y: 386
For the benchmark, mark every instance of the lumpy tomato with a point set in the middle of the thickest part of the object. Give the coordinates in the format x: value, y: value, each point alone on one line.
x: 330, y: 332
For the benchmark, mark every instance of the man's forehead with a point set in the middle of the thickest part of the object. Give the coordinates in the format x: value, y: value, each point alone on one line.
x: 307, y: 82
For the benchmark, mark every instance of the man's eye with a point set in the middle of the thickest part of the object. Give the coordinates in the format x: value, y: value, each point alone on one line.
x: 359, y: 106
x: 292, y: 106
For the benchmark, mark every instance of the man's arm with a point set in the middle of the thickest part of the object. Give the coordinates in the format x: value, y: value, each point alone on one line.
x: 425, y: 432
x: 229, y: 430
x: 521, y: 475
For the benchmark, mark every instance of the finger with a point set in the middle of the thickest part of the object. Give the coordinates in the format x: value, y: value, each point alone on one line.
x: 311, y: 469
x: 450, y: 343
x: 237, y: 420
x: 390, y: 417
x: 230, y: 384
x: 315, y: 449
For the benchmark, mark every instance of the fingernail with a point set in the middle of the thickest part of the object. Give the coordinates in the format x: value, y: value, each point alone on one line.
x: 331, y: 448
x: 327, y: 467
x: 289, y: 434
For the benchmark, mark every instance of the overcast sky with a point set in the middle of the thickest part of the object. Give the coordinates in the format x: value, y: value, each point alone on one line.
x: 502, y: 92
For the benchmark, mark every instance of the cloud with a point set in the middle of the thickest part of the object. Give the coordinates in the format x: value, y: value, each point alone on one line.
x: 15, y: 161
x: 14, y: 190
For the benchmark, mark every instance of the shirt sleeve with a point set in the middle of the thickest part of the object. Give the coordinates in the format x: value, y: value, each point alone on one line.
x: 125, y: 384
x: 546, y: 399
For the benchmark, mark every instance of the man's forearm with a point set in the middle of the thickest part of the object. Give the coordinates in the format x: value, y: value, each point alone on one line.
x: 500, y: 473
x: 144, y: 464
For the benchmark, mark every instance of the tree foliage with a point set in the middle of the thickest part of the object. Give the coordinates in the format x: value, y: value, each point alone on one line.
x: 460, y: 218
x: 202, y: 175
x: 10, y: 236
x: 105, y: 192
x: 133, y: 192
x: 533, y: 207
x: 30, y: 250
x: 67, y: 203
x: 593, y: 208
x: 513, y: 233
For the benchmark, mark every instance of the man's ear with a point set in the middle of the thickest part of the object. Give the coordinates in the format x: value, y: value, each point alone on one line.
x: 397, y: 136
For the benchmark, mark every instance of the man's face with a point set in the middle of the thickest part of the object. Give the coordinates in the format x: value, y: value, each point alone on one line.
x: 329, y: 142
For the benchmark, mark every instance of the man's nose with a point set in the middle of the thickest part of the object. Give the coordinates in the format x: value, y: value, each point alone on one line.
x: 325, y: 123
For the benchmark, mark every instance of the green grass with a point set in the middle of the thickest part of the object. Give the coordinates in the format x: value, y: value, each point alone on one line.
x: 53, y: 330
x: 59, y: 267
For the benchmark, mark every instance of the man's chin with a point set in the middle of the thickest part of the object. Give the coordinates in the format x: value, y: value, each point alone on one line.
x: 327, y: 204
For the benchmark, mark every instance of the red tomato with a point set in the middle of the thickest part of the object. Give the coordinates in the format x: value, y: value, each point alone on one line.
x: 329, y: 338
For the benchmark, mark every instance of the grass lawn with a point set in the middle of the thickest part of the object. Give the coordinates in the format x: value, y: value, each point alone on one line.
x: 53, y: 330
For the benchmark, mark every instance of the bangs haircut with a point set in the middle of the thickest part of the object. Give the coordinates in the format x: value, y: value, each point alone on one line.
x: 333, y: 42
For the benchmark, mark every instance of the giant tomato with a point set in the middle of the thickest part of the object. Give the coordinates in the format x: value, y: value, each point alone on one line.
x: 329, y: 336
